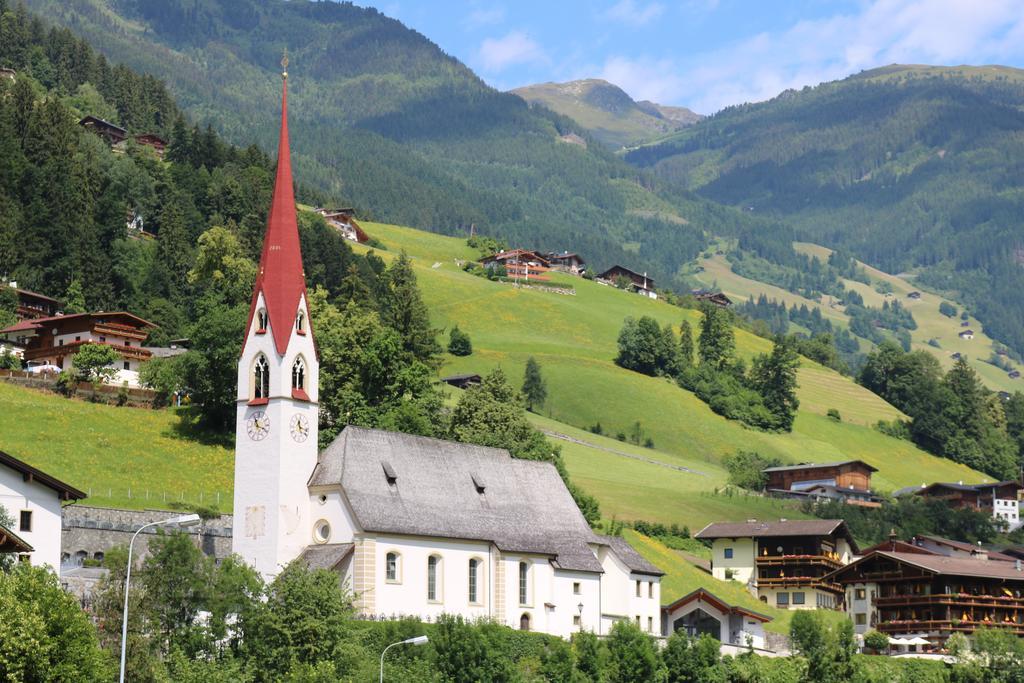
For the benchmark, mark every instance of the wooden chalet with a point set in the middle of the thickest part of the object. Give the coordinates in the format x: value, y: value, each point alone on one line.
x: 967, y: 334
x: 717, y: 298
x: 462, y: 381
x: 971, y: 496
x: 931, y: 596
x: 914, y: 295
x: 33, y: 305
x: 567, y: 262
x: 520, y: 264
x: 157, y: 143
x: 344, y: 221
x: 847, y: 474
x: 639, y: 283
x: 110, y: 132
x: 54, y: 340
x: 8, y: 73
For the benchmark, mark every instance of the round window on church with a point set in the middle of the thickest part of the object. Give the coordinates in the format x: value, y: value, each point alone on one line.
x: 322, y: 531
x: 322, y: 499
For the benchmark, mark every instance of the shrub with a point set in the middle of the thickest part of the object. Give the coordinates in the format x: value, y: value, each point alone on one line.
x: 8, y: 361
x: 947, y: 309
x: 122, y: 394
x: 746, y: 469
x: 459, y: 343
x: 873, y: 640
x: 898, y: 429
x: 833, y: 414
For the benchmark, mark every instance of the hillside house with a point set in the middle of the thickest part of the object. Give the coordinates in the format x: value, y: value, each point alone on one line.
x: 9, y: 74
x: 967, y: 334
x: 639, y: 283
x: 463, y: 381
x: 567, y: 262
x: 1013, y: 374
x: 112, y: 133
x: 1000, y: 499
x: 848, y: 481
x: 914, y: 295
x: 701, y: 612
x: 931, y: 596
x: 519, y: 264
x: 950, y: 548
x: 412, y: 525
x: 154, y: 142
x: 955, y: 356
x: 717, y: 298
x: 33, y: 304
x: 54, y: 340
x: 34, y: 498
x: 344, y: 221
x: 782, y: 563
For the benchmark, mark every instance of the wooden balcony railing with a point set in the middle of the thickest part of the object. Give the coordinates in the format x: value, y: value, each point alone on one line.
x: 926, y: 625
x: 793, y: 560
x: 954, y: 599
x: 799, y: 581
x: 118, y: 330
x: 127, y: 352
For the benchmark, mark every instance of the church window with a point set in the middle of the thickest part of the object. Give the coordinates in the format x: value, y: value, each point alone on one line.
x: 300, y: 322
x: 391, y: 561
x: 524, y: 583
x: 474, y: 580
x: 299, y: 374
x: 261, y: 320
x: 524, y: 622
x: 322, y: 531
x: 261, y: 377
x: 433, y: 570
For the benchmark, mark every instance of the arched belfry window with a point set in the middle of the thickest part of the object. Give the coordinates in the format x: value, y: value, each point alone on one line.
x: 299, y: 374
x: 261, y: 377
x: 300, y: 322
x: 261, y: 320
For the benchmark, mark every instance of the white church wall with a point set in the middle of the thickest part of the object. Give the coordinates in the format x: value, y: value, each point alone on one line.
x: 569, y: 590
x: 328, y: 504
x: 627, y: 595
x: 17, y: 495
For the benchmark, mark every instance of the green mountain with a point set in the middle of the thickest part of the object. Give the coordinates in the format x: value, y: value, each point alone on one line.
x: 607, y: 112
x: 381, y: 118
x: 912, y: 169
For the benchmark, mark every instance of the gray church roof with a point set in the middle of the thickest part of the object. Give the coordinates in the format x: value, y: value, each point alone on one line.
x: 402, y: 484
x: 326, y: 556
x: 631, y: 558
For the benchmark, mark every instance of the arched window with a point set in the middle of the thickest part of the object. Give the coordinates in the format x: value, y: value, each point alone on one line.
x: 261, y: 377
x: 474, y: 580
x: 300, y: 322
x: 391, y: 567
x: 299, y: 374
x: 524, y: 583
x: 261, y: 320
x: 524, y: 622
x: 433, y: 572
x: 98, y: 556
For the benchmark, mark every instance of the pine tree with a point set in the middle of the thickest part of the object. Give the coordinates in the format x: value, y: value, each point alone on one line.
x: 717, y: 340
x: 405, y: 311
x: 459, y: 343
x: 686, y: 344
x: 774, y: 377
x: 535, y: 390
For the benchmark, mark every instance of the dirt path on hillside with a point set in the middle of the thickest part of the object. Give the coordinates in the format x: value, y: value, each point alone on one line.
x: 651, y: 461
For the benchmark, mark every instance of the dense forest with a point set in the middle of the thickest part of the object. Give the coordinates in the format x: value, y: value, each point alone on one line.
x: 908, y: 168
x: 383, y: 120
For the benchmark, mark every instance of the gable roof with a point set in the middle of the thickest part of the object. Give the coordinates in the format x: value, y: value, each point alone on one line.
x: 29, y: 473
x: 943, y: 565
x: 326, y: 556
x: 789, y: 527
x: 10, y: 542
x: 815, y: 465
x: 707, y: 596
x: 36, y: 323
x: 281, y: 278
x: 524, y: 506
x: 965, y: 547
x: 633, y: 560
x: 635, y: 275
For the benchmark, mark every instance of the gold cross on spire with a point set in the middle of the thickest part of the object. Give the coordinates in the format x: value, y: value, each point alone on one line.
x: 284, y: 64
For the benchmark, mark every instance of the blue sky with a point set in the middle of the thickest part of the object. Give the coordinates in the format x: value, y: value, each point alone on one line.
x: 707, y: 54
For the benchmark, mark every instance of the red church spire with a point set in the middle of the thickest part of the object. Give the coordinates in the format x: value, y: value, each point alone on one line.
x: 280, y: 278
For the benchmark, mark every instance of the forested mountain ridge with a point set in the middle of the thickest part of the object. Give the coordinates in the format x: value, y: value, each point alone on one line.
x: 384, y: 120
x: 909, y: 168
x: 607, y: 112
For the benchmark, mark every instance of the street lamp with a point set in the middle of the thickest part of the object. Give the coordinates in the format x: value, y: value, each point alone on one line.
x: 179, y: 521
x: 418, y: 640
x: 580, y: 608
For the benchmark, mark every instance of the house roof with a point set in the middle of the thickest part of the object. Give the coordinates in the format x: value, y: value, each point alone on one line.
x: 325, y: 556
x: 943, y: 565
x: 966, y: 547
x: 814, y: 465
x: 459, y: 378
x: 90, y: 119
x: 630, y: 557
x: 36, y: 295
x: 280, y: 278
x: 707, y: 596
x: 789, y: 527
x: 36, y: 323
x: 957, y: 486
x: 625, y: 270
x: 29, y: 473
x: 10, y: 542
x: 413, y: 485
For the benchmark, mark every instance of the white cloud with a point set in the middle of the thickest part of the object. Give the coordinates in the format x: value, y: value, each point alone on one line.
x: 810, y: 52
x: 633, y: 13
x: 515, y: 47
x: 481, y: 17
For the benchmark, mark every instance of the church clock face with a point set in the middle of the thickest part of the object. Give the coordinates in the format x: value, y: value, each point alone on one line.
x: 299, y: 428
x: 258, y: 426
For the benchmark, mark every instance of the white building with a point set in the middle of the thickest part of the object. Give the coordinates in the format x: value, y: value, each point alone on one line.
x: 33, y: 498
x: 413, y: 526
x: 701, y: 612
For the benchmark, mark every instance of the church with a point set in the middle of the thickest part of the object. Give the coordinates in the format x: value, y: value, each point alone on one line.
x: 413, y: 526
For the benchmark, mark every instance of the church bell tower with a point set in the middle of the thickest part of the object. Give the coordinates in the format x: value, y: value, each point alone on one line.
x: 276, y: 425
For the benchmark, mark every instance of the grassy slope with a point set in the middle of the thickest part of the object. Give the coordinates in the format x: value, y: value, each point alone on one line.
x: 930, y: 323
x: 105, y: 451
x: 573, y: 338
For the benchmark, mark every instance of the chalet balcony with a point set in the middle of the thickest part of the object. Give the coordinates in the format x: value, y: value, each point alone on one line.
x: 951, y: 599
x: 830, y: 562
x: 948, y: 625
x: 799, y: 582
x: 117, y: 330
x: 127, y: 352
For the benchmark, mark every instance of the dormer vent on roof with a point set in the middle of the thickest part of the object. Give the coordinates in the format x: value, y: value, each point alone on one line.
x: 389, y: 473
x: 478, y: 482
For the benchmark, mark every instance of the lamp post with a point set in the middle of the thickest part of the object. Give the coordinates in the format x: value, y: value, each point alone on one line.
x: 580, y: 608
x: 418, y: 640
x: 180, y: 521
